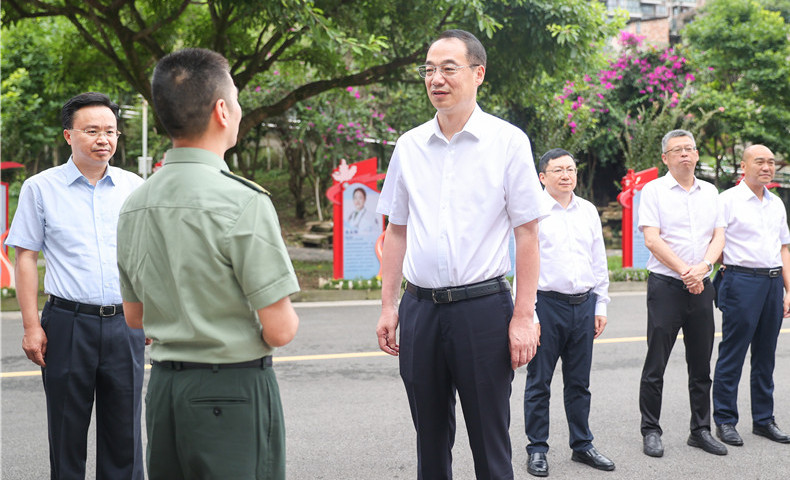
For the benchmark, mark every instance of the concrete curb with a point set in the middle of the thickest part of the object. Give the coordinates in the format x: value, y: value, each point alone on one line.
x: 317, y: 295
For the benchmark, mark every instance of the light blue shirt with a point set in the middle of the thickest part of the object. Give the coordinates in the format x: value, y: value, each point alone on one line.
x: 74, y: 223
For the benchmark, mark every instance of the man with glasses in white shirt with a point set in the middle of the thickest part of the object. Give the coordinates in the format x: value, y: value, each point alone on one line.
x: 572, y: 297
x: 82, y: 343
x: 456, y: 187
x: 756, y: 268
x: 685, y: 239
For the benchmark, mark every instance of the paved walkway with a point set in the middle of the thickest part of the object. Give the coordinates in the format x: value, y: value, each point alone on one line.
x: 307, y: 254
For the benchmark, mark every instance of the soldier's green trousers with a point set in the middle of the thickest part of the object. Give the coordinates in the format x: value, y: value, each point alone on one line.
x: 214, y: 424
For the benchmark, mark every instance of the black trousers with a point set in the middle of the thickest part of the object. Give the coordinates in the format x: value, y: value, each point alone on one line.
x: 89, y: 357
x: 461, y: 346
x: 671, y: 308
x: 566, y: 331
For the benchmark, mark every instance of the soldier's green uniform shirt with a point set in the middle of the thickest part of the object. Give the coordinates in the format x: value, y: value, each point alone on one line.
x: 203, y: 252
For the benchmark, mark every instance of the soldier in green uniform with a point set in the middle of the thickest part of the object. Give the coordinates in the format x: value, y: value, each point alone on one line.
x: 205, y: 273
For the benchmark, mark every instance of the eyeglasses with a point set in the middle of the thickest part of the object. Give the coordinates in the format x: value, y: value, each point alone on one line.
x: 96, y: 133
x: 677, y: 150
x: 447, y: 70
x: 559, y: 171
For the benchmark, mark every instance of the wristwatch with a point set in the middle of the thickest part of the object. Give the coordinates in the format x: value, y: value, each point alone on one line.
x: 710, y: 265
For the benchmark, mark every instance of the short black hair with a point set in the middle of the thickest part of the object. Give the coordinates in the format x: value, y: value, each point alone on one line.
x: 360, y: 189
x: 551, y: 155
x: 185, y: 87
x: 475, y: 52
x: 87, y: 99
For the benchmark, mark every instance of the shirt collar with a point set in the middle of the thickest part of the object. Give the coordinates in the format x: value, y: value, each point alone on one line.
x: 72, y: 173
x: 195, y: 155
x: 554, y: 204
x: 474, y: 126
x: 674, y: 183
x: 748, y: 194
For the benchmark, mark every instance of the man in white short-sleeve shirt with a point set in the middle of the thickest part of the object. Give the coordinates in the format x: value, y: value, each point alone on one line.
x: 684, y: 239
x: 457, y: 186
x: 757, y: 267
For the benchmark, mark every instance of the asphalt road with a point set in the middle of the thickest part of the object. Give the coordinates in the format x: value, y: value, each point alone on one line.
x: 347, y: 415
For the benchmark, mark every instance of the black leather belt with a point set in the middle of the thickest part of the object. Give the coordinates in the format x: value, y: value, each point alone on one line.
x: 464, y: 292
x: 573, y: 299
x: 263, y: 362
x: 676, y: 282
x: 87, y: 309
x: 768, y: 272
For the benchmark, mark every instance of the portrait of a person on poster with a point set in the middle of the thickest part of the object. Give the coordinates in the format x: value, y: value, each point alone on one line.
x: 361, y: 218
x: 362, y: 226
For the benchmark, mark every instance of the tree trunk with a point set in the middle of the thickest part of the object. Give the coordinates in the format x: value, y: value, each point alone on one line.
x: 296, y: 179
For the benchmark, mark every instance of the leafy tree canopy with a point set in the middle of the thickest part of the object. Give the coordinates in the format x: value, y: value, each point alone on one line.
x: 333, y: 43
x: 744, y: 49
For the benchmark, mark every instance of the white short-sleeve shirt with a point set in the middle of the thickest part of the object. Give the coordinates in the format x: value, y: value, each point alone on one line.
x: 685, y: 219
x: 754, y: 229
x: 460, y: 199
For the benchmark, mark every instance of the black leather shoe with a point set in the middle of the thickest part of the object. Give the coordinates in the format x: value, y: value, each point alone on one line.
x: 772, y: 432
x: 538, y: 465
x: 593, y: 458
x: 704, y: 440
x: 728, y: 434
x: 652, y: 445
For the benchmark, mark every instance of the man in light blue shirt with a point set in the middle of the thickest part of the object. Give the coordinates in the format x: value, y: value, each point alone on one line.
x: 82, y: 342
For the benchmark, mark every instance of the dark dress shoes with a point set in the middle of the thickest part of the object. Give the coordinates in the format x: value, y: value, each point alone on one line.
x: 729, y: 435
x: 652, y: 445
x: 538, y: 465
x: 593, y: 458
x: 704, y: 440
x: 772, y: 432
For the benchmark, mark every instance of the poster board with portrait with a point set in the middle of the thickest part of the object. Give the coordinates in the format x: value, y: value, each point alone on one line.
x: 356, y: 227
x: 362, y: 227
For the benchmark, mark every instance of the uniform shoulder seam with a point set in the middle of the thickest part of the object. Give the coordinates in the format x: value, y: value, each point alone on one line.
x: 247, y: 183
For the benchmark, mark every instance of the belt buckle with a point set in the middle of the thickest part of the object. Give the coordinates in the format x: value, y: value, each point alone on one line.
x: 445, y: 296
x: 103, y: 313
x: 774, y: 272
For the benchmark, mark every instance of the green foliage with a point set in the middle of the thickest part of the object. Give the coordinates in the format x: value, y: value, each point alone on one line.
x: 286, y: 55
x: 343, y: 284
x: 615, y: 115
x: 781, y: 6
x: 642, y: 134
x: 628, y: 275
x: 31, y: 67
x: 619, y: 274
x: 744, y: 49
x: 540, y: 39
x: 40, y: 72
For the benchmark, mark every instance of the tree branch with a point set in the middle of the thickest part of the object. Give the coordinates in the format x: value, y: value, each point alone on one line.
x: 260, y: 63
x: 365, y: 77
x: 175, y: 15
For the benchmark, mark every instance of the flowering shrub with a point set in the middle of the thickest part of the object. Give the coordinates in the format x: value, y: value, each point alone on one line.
x: 631, y: 102
x: 637, y: 77
x: 315, y: 134
x: 346, y: 126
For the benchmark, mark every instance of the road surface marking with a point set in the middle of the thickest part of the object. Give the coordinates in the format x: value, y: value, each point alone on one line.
x: 339, y: 356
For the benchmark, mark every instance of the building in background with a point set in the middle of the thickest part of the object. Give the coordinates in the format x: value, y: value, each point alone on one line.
x: 659, y: 21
